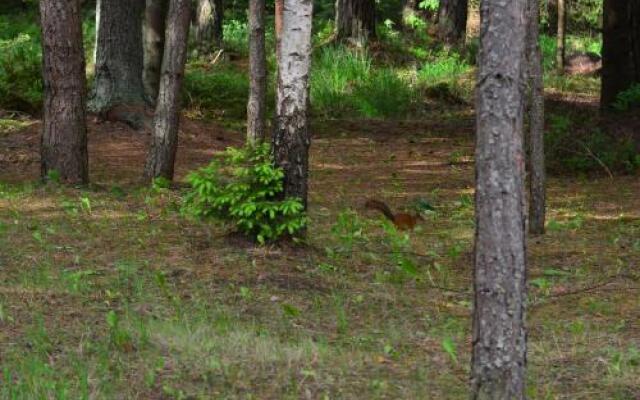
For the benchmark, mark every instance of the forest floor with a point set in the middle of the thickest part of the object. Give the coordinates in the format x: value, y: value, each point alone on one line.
x: 108, y: 292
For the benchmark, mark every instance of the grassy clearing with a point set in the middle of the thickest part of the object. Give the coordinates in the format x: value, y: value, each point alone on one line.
x: 111, y: 293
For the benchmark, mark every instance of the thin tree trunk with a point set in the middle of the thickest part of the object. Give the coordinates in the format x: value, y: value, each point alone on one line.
x: 64, y: 135
x: 208, y: 25
x: 537, y: 179
x: 258, y: 73
x: 452, y: 20
x: 409, y: 12
x: 119, y: 61
x: 620, y: 48
x: 154, y: 26
x: 499, y: 337
x: 355, y: 21
x: 561, y: 37
x: 164, y: 140
x: 291, y: 138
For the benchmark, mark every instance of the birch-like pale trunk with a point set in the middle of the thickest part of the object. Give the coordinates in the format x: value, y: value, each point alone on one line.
x: 256, y: 106
x: 537, y: 176
x: 291, y: 138
x: 164, y: 138
x: 499, y: 337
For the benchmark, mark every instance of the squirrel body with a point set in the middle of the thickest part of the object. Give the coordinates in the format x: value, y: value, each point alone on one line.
x: 402, y: 221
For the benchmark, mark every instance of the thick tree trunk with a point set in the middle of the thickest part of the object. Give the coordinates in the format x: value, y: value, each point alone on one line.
x: 620, y: 48
x: 499, y: 336
x: 452, y: 20
x: 209, y: 18
x: 64, y: 135
x: 291, y: 138
x: 154, y: 24
x: 355, y: 20
x: 561, y: 37
x: 537, y: 177
x: 552, y: 17
x: 164, y: 139
x: 257, y: 73
x: 119, y: 61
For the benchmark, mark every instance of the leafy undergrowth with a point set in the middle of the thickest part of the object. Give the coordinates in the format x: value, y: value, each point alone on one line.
x: 107, y: 292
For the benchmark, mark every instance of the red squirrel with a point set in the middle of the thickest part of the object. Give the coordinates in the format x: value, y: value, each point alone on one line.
x: 402, y: 221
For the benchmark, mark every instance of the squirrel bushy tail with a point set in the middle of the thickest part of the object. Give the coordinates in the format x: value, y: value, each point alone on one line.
x: 380, y: 206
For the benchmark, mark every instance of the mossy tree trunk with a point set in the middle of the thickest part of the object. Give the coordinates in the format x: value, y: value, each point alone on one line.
x: 499, y: 338
x: 209, y: 19
x: 164, y: 139
x: 64, y: 134
x: 119, y: 61
x: 355, y: 21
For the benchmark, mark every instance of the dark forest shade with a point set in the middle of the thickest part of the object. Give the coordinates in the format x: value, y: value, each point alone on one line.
x: 164, y: 138
x: 499, y: 338
x: 452, y: 20
x: 355, y: 20
x: 620, y: 48
x: 64, y: 135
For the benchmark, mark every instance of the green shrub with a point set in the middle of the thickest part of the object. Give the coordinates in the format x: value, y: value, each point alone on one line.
x: 236, y: 37
x: 587, y: 150
x: 21, y: 74
x: 628, y: 98
x: 226, y: 91
x: 241, y: 187
x: 385, y: 94
x: 445, y: 67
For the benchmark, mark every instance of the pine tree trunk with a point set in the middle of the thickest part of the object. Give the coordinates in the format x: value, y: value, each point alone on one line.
x: 355, y: 21
x: 452, y: 20
x: 64, y: 136
x: 620, y: 48
x: 208, y: 25
x: 154, y: 24
x: 256, y: 112
x: 291, y: 138
x: 499, y: 337
x: 561, y: 37
x: 537, y: 182
x: 119, y: 61
x: 164, y: 139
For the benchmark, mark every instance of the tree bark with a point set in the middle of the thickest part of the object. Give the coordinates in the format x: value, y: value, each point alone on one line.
x: 164, y: 139
x: 499, y: 337
x: 119, y: 61
x: 561, y: 37
x: 452, y: 20
x: 256, y: 105
x: 355, y: 21
x: 537, y: 177
x: 291, y: 138
x: 208, y: 25
x: 64, y: 135
x: 620, y: 48
x: 154, y: 26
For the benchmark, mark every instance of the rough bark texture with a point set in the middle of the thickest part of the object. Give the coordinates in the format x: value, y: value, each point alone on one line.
x: 291, y: 138
x: 257, y: 73
x: 499, y: 337
x: 154, y: 24
x: 64, y: 135
x: 208, y: 24
x: 164, y: 139
x: 452, y: 20
x: 620, y: 48
x: 119, y: 60
x: 355, y: 21
x: 561, y: 37
x: 537, y: 177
